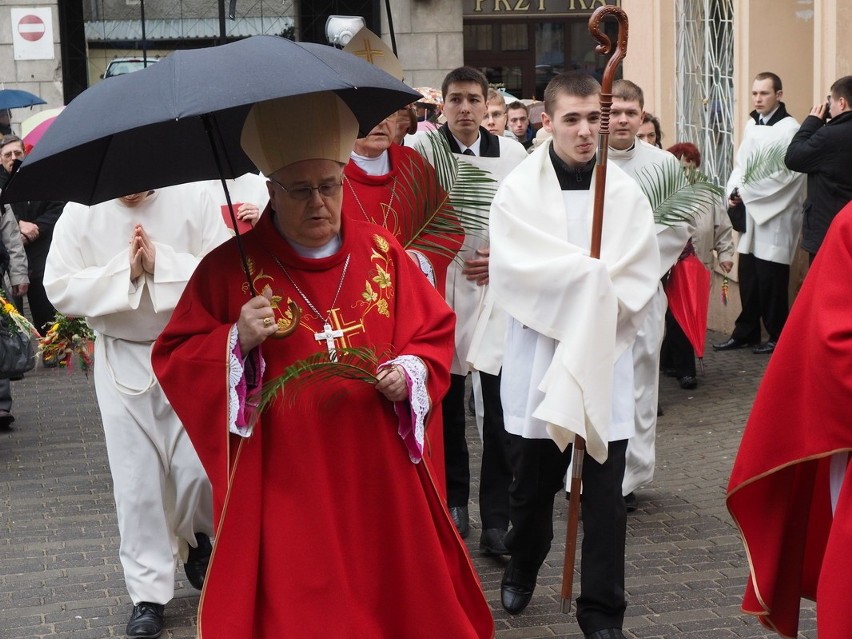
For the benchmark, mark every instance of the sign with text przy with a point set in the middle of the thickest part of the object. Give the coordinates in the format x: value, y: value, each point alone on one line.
x: 532, y: 8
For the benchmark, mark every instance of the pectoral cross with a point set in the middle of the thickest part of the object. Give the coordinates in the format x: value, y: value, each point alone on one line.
x: 329, y: 336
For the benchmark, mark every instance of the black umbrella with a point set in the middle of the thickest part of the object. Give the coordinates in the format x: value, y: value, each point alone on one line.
x: 18, y: 99
x: 155, y: 127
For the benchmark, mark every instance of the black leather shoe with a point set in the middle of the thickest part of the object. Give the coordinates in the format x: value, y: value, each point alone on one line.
x: 491, y: 542
x: 687, y: 382
x: 146, y: 621
x: 6, y: 419
x: 196, y: 564
x: 516, y: 588
x: 608, y: 633
x: 461, y: 519
x: 631, y: 503
x: 731, y: 344
x: 764, y: 349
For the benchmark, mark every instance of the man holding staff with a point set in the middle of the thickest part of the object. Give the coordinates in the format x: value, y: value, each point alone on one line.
x: 567, y: 366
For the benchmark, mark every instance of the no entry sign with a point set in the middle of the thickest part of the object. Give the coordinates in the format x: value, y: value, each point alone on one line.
x: 31, y: 27
x: 32, y: 33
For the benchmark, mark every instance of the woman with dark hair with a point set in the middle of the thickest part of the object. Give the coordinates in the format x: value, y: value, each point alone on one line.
x: 649, y: 130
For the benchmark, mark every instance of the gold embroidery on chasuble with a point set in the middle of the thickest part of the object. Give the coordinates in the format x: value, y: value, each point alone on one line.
x: 377, y: 296
x: 282, y: 308
x: 378, y: 285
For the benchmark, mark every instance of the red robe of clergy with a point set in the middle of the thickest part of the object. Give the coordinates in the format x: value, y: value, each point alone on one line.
x: 325, y: 528
x: 393, y: 201
x: 779, y: 490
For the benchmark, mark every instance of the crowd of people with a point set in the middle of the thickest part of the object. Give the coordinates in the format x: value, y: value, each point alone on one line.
x: 264, y: 500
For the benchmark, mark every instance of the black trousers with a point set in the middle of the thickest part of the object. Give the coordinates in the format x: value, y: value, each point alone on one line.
x: 677, y: 351
x: 496, y: 471
x: 40, y: 307
x: 763, y: 292
x: 539, y: 474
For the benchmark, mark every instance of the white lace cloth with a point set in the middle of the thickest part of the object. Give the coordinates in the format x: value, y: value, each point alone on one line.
x: 412, y: 413
x: 425, y: 265
x: 240, y: 419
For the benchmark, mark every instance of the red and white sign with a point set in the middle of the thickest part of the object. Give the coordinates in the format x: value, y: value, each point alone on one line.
x: 32, y: 33
x: 31, y: 27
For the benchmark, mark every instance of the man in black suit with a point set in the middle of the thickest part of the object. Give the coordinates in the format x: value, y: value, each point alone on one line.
x: 823, y: 149
x: 35, y: 221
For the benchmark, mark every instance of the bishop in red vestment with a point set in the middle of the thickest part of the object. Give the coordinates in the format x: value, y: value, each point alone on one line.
x: 329, y: 521
x: 790, y: 491
x: 392, y: 186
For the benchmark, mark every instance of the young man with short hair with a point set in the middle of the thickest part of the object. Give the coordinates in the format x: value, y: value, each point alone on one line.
x: 643, y: 163
x: 519, y: 123
x: 773, y: 213
x: 567, y: 366
x: 496, y: 118
x: 465, y: 93
x: 822, y: 148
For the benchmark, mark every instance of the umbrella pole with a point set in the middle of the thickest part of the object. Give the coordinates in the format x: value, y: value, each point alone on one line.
x: 604, y: 48
x: 390, y: 26
x: 208, y: 127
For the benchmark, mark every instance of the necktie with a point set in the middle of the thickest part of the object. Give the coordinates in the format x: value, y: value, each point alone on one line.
x: 468, y: 152
x: 761, y: 121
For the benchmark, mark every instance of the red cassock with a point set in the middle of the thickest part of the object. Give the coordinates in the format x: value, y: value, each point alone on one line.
x: 396, y: 199
x: 325, y: 527
x: 779, y: 492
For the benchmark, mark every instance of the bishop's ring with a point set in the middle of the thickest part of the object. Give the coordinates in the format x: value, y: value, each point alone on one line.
x: 268, y: 321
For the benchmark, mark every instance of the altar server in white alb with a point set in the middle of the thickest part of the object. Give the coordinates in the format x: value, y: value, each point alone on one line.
x: 773, y: 206
x: 646, y: 164
x: 567, y: 366
x: 123, y: 265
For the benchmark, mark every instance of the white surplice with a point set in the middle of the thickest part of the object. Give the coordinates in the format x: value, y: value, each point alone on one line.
x: 639, y: 160
x: 774, y: 203
x: 161, y: 491
x: 583, y: 313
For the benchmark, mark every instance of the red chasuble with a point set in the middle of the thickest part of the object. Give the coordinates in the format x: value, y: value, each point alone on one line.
x: 389, y: 200
x: 779, y: 490
x: 325, y: 527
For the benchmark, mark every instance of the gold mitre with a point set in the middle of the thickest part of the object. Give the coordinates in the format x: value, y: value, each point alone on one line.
x: 370, y: 47
x: 280, y: 132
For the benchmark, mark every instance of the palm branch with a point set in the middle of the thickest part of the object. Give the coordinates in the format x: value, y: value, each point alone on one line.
x: 442, y: 211
x: 676, y: 193
x: 351, y: 364
x: 766, y: 162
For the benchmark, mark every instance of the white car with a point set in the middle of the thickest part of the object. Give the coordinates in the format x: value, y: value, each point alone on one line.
x: 120, y: 66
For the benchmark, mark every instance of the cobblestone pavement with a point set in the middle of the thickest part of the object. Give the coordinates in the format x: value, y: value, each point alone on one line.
x: 60, y: 575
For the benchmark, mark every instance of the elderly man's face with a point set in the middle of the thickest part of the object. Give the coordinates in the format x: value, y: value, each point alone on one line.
x: 378, y: 139
x: 311, y: 221
x: 9, y: 153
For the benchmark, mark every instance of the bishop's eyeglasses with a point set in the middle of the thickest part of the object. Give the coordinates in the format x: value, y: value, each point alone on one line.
x: 302, y: 193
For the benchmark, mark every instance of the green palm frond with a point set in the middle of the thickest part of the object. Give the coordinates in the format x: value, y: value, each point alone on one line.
x: 443, y: 211
x: 676, y: 193
x: 765, y: 163
x: 352, y: 363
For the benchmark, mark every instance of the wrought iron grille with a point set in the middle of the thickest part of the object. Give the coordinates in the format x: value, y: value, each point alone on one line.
x: 705, y: 82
